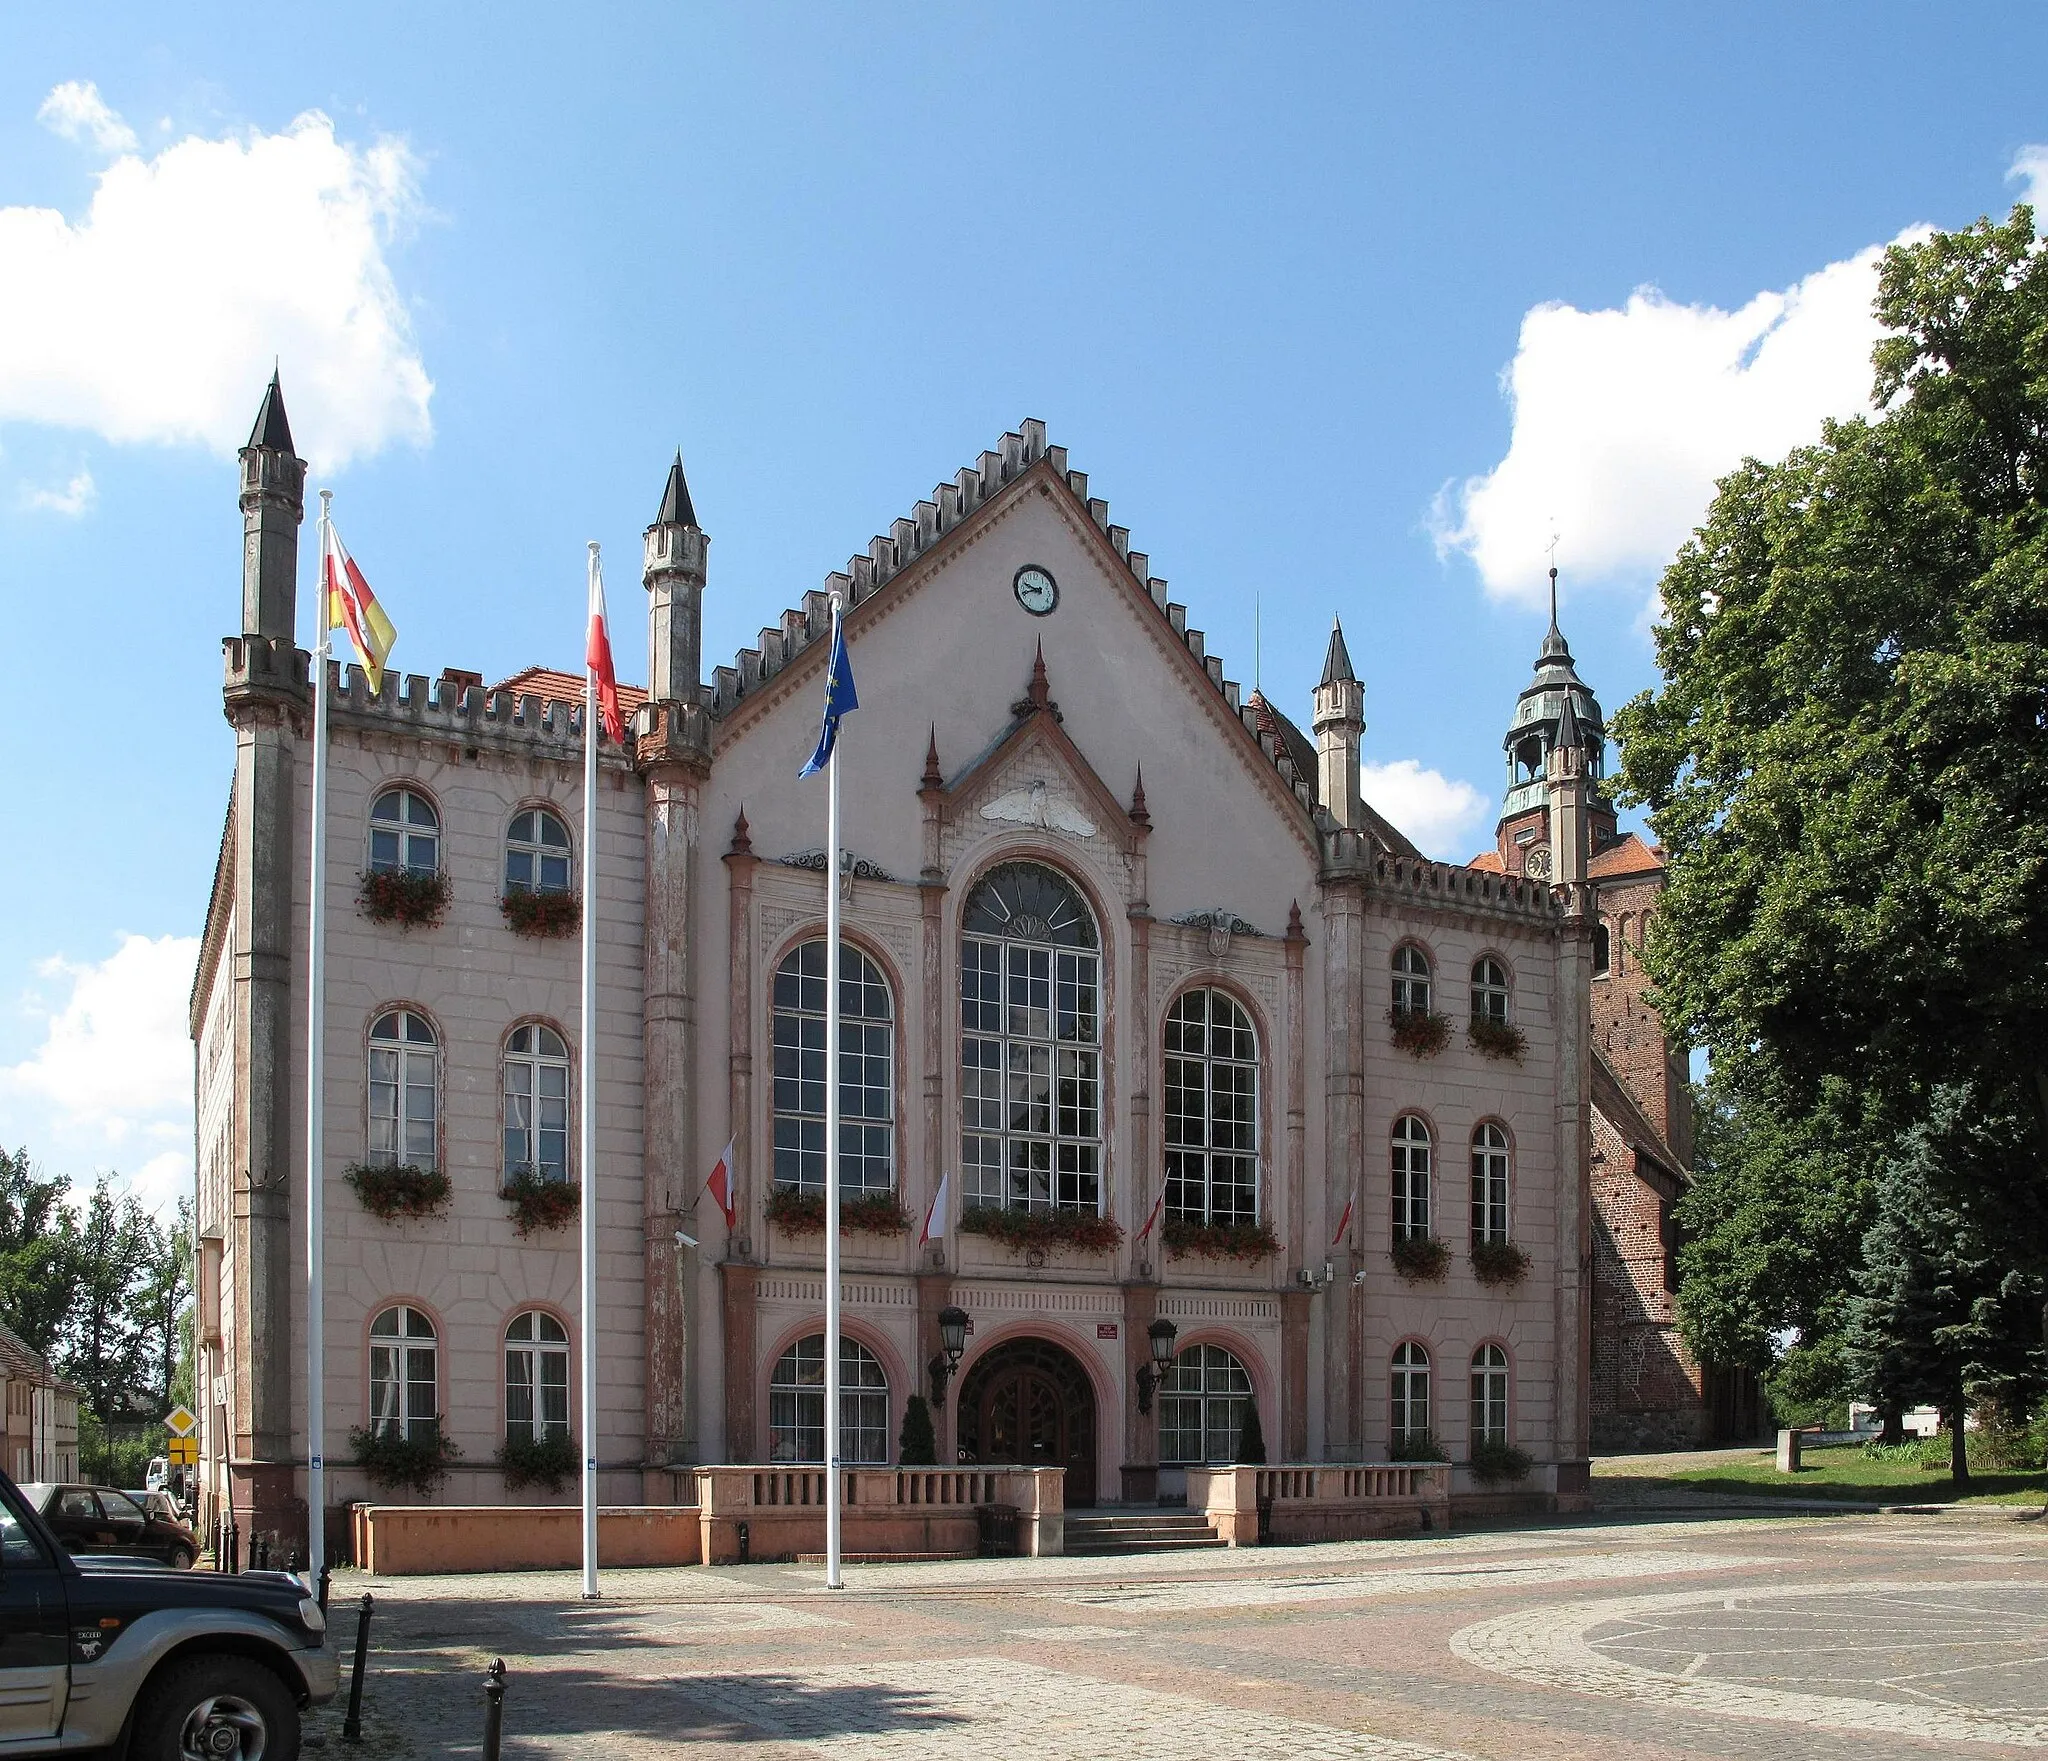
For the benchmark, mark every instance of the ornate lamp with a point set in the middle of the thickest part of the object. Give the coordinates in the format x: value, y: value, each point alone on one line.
x: 1161, y: 1335
x: 953, y: 1338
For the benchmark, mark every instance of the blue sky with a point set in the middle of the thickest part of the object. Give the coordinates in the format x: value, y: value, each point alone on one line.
x: 1342, y: 309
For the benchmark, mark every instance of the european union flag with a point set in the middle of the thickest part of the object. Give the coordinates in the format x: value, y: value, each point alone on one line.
x: 840, y: 699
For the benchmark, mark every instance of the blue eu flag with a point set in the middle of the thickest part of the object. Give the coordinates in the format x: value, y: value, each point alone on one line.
x: 840, y: 698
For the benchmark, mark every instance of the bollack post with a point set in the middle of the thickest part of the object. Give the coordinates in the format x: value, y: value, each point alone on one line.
x: 494, y: 1708
x: 352, y: 1725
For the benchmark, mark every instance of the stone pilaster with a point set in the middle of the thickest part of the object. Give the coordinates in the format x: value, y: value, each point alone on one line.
x: 1346, y: 859
x: 1141, y: 1430
x: 932, y: 969
x: 738, y: 1281
x: 1574, y: 1291
x: 740, y: 863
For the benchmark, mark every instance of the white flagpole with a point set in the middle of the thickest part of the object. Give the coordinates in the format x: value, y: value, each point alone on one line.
x: 832, y: 1491
x: 316, y: 1065
x: 587, y: 1209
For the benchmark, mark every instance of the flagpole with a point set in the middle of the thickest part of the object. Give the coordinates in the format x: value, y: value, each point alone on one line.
x: 832, y: 1472
x: 587, y: 1156
x: 316, y: 1121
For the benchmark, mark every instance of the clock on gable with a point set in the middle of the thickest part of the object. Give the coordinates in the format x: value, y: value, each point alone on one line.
x: 1037, y: 592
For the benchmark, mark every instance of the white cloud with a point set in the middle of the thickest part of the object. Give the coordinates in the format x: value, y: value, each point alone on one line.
x: 2030, y: 170
x: 157, y: 315
x: 76, y: 111
x: 1439, y: 813
x: 110, y: 1085
x: 1624, y: 419
x: 72, y: 500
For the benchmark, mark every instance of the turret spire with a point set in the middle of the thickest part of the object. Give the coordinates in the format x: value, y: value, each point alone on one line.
x: 676, y: 509
x: 674, y: 552
x: 272, y: 430
x: 1337, y: 662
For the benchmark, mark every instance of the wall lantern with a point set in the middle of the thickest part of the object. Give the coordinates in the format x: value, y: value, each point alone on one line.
x: 953, y: 1338
x: 1161, y: 1335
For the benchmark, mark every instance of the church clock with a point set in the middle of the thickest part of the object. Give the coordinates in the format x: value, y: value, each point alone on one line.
x: 1037, y: 592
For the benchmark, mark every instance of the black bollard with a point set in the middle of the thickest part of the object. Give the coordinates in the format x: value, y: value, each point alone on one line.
x: 234, y: 1546
x: 352, y: 1725
x: 494, y: 1708
x: 326, y: 1583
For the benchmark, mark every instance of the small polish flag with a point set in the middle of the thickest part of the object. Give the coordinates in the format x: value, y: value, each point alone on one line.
x: 935, y: 1216
x: 1343, y: 1224
x: 1152, y: 1216
x: 597, y: 656
x: 720, y: 1185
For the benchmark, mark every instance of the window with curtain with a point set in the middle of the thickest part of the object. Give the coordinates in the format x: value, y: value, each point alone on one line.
x: 1030, y: 1043
x: 1489, y: 1395
x: 1409, y: 1418
x: 405, y: 833
x: 867, y: 1072
x: 1490, y: 991
x: 796, y: 1404
x: 536, y: 1377
x: 537, y: 853
x: 1411, y: 980
x: 405, y: 1071
x: 1212, y: 1109
x: 1202, y: 1400
x: 1489, y: 1183
x: 403, y: 1361
x: 1410, y: 1157
x: 536, y: 1103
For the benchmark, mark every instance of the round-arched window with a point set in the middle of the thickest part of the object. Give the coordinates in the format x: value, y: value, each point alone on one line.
x: 1411, y: 980
x: 1489, y: 1183
x: 1489, y: 1395
x: 536, y: 1377
x: 537, y: 853
x: 1410, y: 1178
x: 796, y: 1404
x: 405, y: 833
x: 1030, y: 1043
x: 402, y: 1374
x: 1409, y: 1433
x: 536, y: 1103
x: 1489, y: 991
x: 1212, y: 1110
x: 867, y: 1080
x: 1202, y: 1402
x: 405, y: 1069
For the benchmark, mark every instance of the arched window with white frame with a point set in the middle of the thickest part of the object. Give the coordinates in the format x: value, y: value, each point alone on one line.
x: 1202, y: 1401
x: 1411, y: 980
x: 405, y: 833
x: 796, y: 1404
x: 537, y: 852
x: 1030, y: 1043
x: 405, y: 1092
x: 1411, y: 1169
x: 536, y: 1103
x: 1489, y: 1396
x: 404, y: 1364
x: 1212, y: 1109
x: 867, y: 1072
x: 1408, y: 1418
x: 1490, y: 991
x: 1489, y: 1183
x: 536, y: 1377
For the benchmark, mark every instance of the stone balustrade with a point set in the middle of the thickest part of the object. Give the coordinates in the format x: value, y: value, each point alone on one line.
x: 1322, y: 1501
x: 883, y: 1511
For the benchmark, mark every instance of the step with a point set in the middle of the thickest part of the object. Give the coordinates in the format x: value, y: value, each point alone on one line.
x: 1137, y: 1531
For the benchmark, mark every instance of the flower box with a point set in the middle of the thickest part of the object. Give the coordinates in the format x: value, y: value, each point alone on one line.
x: 1418, y: 1032
x: 1495, y: 1462
x: 404, y: 1464
x: 1249, y: 1242
x: 404, y: 896
x: 1421, y: 1259
x: 1499, y: 1262
x: 398, y: 1190
x: 1416, y: 1446
x: 538, y: 1202
x: 1497, y: 1039
x: 1042, y: 1232
x: 797, y: 1211
x: 550, y: 1463
x: 541, y: 915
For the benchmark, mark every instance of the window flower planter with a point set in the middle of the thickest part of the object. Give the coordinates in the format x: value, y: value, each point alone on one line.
x: 551, y: 1463
x: 1497, y: 1039
x: 399, y: 1190
x: 1418, y: 1032
x: 541, y: 914
x: 538, y: 1202
x: 1497, y: 1462
x: 1416, y: 1446
x: 404, y: 896
x: 404, y: 1464
x: 1499, y: 1263
x: 1042, y: 1232
x: 1421, y: 1259
x: 1250, y: 1242
x: 796, y: 1211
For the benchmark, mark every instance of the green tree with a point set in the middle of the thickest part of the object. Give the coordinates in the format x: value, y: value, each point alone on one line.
x: 164, y: 1302
x: 1251, y: 1437
x: 38, y: 1262
x: 106, y: 1347
x: 918, y: 1444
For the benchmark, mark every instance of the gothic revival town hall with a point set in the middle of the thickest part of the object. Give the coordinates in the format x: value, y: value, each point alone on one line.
x: 1117, y: 931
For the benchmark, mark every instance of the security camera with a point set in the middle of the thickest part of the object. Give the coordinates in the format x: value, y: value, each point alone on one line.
x: 683, y: 1240
x: 1358, y: 1277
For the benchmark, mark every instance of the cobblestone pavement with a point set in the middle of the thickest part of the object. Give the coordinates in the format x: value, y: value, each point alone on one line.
x: 1833, y: 1637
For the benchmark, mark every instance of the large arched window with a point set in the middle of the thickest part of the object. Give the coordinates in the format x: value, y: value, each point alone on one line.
x: 1489, y: 1183
x: 536, y: 1103
x: 1030, y: 1043
x: 402, y: 1374
x: 1408, y: 1429
x: 1212, y: 1110
x: 536, y: 1377
x: 537, y: 853
x: 796, y: 1404
x: 405, y: 1069
x: 867, y: 1076
x: 1411, y: 980
x: 405, y: 833
x: 1489, y: 1395
x: 1410, y: 1178
x: 1202, y: 1401
x: 1489, y: 991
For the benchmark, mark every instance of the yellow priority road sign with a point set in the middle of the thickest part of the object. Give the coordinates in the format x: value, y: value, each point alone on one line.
x: 179, y: 1422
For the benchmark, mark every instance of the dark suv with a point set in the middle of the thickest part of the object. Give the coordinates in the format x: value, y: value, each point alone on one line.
x: 99, y: 1653
x: 97, y: 1519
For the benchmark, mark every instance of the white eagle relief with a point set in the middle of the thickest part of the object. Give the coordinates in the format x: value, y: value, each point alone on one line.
x: 1036, y: 804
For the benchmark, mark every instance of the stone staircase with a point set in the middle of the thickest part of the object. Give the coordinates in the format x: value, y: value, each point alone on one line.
x: 1136, y: 1529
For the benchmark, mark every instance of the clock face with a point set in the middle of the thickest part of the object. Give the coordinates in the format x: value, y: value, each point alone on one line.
x: 1536, y: 865
x: 1037, y: 592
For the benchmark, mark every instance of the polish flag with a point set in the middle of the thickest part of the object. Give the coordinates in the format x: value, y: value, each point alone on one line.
x: 598, y: 657
x: 935, y: 1216
x: 1343, y: 1224
x: 720, y: 1183
x: 1153, y: 1215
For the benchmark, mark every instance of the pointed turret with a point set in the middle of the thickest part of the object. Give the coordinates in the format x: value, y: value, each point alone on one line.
x: 676, y: 551
x: 1337, y: 662
x: 271, y: 429
x: 273, y: 504
x: 1339, y: 723
x: 676, y: 509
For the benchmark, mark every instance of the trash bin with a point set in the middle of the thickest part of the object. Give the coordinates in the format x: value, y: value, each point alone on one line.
x: 996, y: 1531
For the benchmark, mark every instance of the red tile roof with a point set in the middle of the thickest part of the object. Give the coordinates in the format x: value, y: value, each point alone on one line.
x: 559, y: 687
x: 1628, y: 854
x: 1488, y: 862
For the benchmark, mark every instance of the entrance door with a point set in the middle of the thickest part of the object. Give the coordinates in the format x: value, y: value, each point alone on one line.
x: 1029, y: 1402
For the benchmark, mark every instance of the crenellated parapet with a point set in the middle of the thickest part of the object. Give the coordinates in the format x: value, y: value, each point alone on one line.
x: 1417, y: 880
x: 265, y: 671
x: 524, y: 723
x: 672, y: 733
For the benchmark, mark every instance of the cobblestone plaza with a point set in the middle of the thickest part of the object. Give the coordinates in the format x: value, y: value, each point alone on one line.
x: 1831, y: 1637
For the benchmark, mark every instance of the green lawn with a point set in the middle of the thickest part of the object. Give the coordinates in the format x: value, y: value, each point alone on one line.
x: 1841, y: 1471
